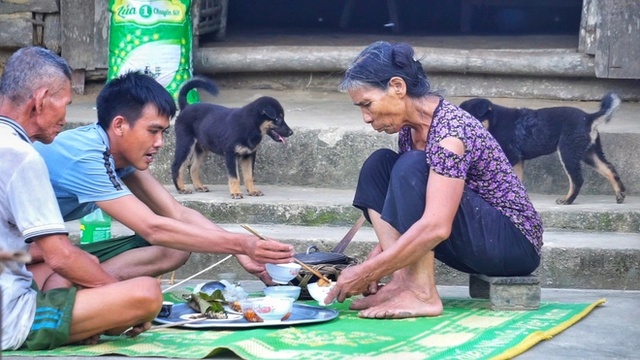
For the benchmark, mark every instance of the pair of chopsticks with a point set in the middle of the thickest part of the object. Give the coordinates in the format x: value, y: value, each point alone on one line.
x: 196, y: 274
x: 309, y: 268
x: 178, y: 323
x: 168, y: 325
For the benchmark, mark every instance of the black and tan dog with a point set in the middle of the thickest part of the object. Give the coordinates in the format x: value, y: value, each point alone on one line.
x: 525, y: 134
x: 234, y: 133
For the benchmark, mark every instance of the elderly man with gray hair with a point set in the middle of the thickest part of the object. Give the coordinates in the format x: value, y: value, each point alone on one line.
x: 35, y: 89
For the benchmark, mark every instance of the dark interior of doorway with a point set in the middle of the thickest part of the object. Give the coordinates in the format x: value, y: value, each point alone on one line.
x: 415, y: 17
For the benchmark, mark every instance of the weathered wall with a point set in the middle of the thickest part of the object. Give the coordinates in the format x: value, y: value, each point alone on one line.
x: 22, y: 22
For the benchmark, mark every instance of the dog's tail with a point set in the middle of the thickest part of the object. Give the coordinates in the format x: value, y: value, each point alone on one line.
x: 608, y: 105
x: 196, y: 82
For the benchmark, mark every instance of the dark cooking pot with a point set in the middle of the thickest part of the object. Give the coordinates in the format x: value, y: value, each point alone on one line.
x: 329, y: 264
x: 314, y: 256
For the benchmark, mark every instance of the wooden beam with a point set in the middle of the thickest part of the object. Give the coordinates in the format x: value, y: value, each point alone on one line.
x: 78, y: 80
x: 101, y: 35
x: 77, y: 23
x: 51, y: 33
x: 618, y: 48
x: 38, y: 29
x: 77, y: 39
x: 588, y: 27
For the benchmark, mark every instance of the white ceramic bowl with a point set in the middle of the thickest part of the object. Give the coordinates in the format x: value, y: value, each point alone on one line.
x: 267, y: 308
x: 283, y: 291
x: 283, y: 273
x: 319, y: 293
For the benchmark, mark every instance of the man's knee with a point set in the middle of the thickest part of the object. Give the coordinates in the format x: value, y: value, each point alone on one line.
x: 176, y: 258
x: 148, y: 292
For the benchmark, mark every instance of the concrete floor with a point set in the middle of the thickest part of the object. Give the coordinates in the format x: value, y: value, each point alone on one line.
x: 610, y: 331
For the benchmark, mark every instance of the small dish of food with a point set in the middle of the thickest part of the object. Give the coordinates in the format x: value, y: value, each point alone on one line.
x: 319, y: 293
x: 267, y: 309
x: 283, y: 273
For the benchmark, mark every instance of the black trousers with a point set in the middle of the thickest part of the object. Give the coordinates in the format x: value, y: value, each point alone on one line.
x: 482, y: 240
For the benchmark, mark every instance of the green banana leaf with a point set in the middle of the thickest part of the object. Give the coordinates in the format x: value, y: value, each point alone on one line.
x: 209, y: 305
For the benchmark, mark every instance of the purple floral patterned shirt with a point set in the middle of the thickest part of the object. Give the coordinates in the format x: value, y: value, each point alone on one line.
x: 484, y: 166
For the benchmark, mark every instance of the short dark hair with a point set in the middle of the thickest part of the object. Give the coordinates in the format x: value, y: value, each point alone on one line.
x: 128, y: 94
x: 31, y: 68
x: 381, y: 61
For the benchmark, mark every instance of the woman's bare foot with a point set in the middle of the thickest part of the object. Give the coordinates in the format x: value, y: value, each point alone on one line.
x: 405, y: 304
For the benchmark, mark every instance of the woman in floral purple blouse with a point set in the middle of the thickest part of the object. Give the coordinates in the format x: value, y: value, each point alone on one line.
x: 448, y: 194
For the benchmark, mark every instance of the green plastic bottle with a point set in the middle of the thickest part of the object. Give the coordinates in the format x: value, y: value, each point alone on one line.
x: 95, y: 227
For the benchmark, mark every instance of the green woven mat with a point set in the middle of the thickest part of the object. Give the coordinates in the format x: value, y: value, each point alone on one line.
x: 466, y: 329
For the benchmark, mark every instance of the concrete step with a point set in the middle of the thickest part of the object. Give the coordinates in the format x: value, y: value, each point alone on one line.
x: 570, y: 259
x: 331, y: 141
x: 291, y: 205
x: 309, y: 184
x: 545, y: 66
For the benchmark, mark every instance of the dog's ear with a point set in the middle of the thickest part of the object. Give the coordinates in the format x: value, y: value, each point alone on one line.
x: 269, y: 112
x: 482, y: 108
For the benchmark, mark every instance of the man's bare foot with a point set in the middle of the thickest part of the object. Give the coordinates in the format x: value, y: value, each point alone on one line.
x: 405, y: 304
x: 93, y: 340
x: 384, y: 293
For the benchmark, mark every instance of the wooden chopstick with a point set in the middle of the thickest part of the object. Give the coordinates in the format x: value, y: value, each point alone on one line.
x: 196, y: 274
x: 178, y: 323
x: 168, y: 325
x: 313, y: 271
x: 249, y: 229
x: 309, y: 268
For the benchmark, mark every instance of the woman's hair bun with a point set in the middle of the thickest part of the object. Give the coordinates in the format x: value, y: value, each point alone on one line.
x: 402, y: 54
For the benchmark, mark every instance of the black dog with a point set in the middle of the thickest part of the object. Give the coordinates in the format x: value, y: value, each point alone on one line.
x: 525, y: 134
x: 234, y: 133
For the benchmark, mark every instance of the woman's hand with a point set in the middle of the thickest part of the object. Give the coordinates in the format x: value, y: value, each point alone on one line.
x: 375, y: 285
x: 353, y: 280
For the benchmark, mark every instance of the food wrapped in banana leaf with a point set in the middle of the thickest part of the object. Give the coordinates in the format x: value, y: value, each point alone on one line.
x: 210, y: 305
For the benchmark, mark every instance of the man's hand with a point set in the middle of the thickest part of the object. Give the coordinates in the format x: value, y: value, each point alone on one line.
x: 255, y: 268
x: 268, y: 251
x: 138, y: 329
